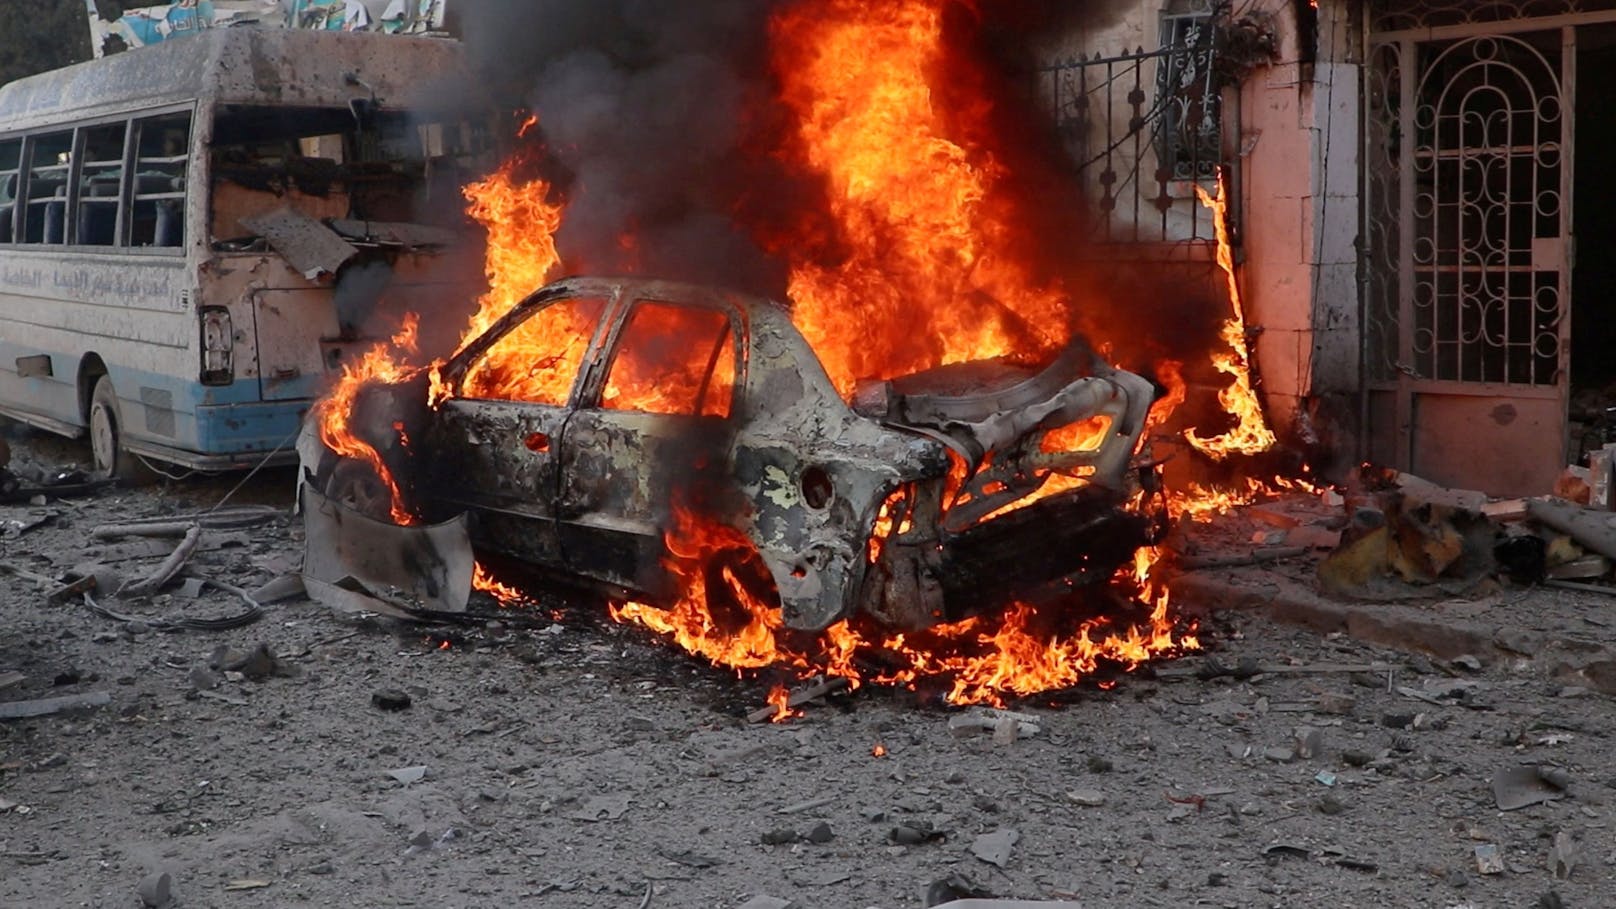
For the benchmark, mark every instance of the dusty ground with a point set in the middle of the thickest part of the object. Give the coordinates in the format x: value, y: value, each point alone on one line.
x: 580, y: 764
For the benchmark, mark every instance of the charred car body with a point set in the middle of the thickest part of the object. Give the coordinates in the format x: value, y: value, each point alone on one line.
x: 577, y: 425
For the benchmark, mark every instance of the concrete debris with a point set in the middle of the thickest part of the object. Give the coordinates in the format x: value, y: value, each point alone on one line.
x: 1562, y: 855
x: 767, y: 902
x: 1489, y: 859
x: 994, y: 848
x: 14, y: 710
x: 408, y: 775
x: 1517, y: 787
x: 1088, y: 798
x: 1005, y: 726
x: 390, y: 699
x: 156, y: 890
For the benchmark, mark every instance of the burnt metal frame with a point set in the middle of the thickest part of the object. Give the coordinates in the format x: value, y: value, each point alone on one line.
x: 1087, y: 96
x: 1398, y: 64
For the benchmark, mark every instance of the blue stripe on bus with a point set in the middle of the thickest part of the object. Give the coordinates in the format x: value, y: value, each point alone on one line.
x: 166, y: 410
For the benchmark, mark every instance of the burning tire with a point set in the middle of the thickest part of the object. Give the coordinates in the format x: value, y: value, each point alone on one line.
x: 740, y: 589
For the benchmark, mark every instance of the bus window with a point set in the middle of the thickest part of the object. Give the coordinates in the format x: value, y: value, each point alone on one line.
x: 157, y: 216
x: 323, y: 163
x: 45, y: 214
x: 10, y: 159
x: 100, y: 185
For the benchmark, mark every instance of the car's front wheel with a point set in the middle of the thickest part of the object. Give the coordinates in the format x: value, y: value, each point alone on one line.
x: 356, y: 485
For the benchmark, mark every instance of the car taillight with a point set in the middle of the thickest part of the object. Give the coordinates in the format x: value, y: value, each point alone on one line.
x: 218, y: 337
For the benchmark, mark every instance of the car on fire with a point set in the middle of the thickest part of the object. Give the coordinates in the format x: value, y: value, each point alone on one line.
x: 578, y: 428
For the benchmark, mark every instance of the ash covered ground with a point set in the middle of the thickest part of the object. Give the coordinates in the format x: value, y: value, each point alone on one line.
x: 578, y: 763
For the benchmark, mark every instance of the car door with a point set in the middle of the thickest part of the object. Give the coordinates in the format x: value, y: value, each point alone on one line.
x: 496, y: 438
x: 651, y: 432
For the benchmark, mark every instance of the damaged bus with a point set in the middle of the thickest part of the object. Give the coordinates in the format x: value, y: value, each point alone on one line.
x: 194, y: 235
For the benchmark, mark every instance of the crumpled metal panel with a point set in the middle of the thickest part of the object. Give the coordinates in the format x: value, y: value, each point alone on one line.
x: 309, y: 246
x: 817, y: 555
x: 431, y: 564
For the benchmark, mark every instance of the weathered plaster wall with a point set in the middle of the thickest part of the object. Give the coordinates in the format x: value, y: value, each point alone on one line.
x: 1295, y: 126
x: 1299, y: 137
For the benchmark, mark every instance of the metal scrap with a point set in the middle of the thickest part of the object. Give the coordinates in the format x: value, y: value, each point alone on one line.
x: 430, y: 564
x: 306, y: 244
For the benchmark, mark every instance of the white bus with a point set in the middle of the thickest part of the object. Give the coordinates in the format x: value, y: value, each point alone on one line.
x: 194, y: 234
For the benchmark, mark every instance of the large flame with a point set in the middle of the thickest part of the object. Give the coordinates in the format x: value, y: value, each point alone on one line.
x: 921, y: 267
x: 1250, y: 434
x: 927, y: 273
x: 385, y: 362
x: 982, y: 661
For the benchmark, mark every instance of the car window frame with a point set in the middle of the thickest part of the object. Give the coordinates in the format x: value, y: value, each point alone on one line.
x: 590, y: 396
x: 544, y: 298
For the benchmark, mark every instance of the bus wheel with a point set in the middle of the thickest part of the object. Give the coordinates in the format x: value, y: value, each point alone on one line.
x: 106, y: 436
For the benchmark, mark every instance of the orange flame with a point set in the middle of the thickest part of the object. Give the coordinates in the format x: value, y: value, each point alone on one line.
x: 780, y: 700
x: 334, y: 413
x: 1250, y: 434
x: 506, y: 595
x: 929, y: 274
x: 521, y: 222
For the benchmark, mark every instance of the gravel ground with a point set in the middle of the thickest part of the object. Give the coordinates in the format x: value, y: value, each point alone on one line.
x: 577, y: 763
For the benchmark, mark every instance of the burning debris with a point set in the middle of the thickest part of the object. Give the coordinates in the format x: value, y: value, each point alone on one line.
x: 919, y: 470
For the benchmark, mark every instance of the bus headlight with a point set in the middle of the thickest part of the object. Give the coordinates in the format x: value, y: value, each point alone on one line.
x: 218, y: 337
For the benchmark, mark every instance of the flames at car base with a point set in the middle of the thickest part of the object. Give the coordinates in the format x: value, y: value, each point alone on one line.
x: 919, y: 473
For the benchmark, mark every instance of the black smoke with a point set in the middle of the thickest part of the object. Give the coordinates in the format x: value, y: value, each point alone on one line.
x: 652, y: 115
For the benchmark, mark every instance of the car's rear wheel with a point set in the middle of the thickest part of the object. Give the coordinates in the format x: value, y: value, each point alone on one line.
x: 739, y: 586
x: 356, y: 485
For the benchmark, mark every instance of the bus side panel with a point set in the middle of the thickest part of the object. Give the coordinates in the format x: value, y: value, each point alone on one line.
x: 61, y: 309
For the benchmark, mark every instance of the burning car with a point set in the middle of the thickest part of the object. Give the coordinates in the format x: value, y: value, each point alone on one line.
x: 599, y: 413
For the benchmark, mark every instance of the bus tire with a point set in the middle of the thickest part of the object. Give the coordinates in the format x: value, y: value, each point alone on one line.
x: 106, y: 437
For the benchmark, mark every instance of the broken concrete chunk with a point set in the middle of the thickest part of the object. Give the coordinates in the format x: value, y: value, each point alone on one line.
x: 156, y: 890
x: 1088, y: 798
x: 1518, y: 787
x: 994, y: 848
x: 1489, y: 859
x: 408, y: 775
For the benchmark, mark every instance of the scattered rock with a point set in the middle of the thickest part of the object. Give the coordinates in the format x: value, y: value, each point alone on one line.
x: 954, y: 887
x: 914, y: 833
x: 780, y: 836
x: 1332, y: 804
x: 1336, y: 704
x: 1088, y: 798
x: 1489, y: 859
x: 994, y: 848
x: 767, y: 902
x: 1099, y: 764
x: 820, y: 834
x: 408, y: 775
x: 204, y: 679
x: 1518, y: 787
x: 601, y: 808
x: 1562, y: 855
x: 390, y: 699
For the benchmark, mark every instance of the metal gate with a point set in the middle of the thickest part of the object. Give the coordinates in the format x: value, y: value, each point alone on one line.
x: 1468, y: 220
